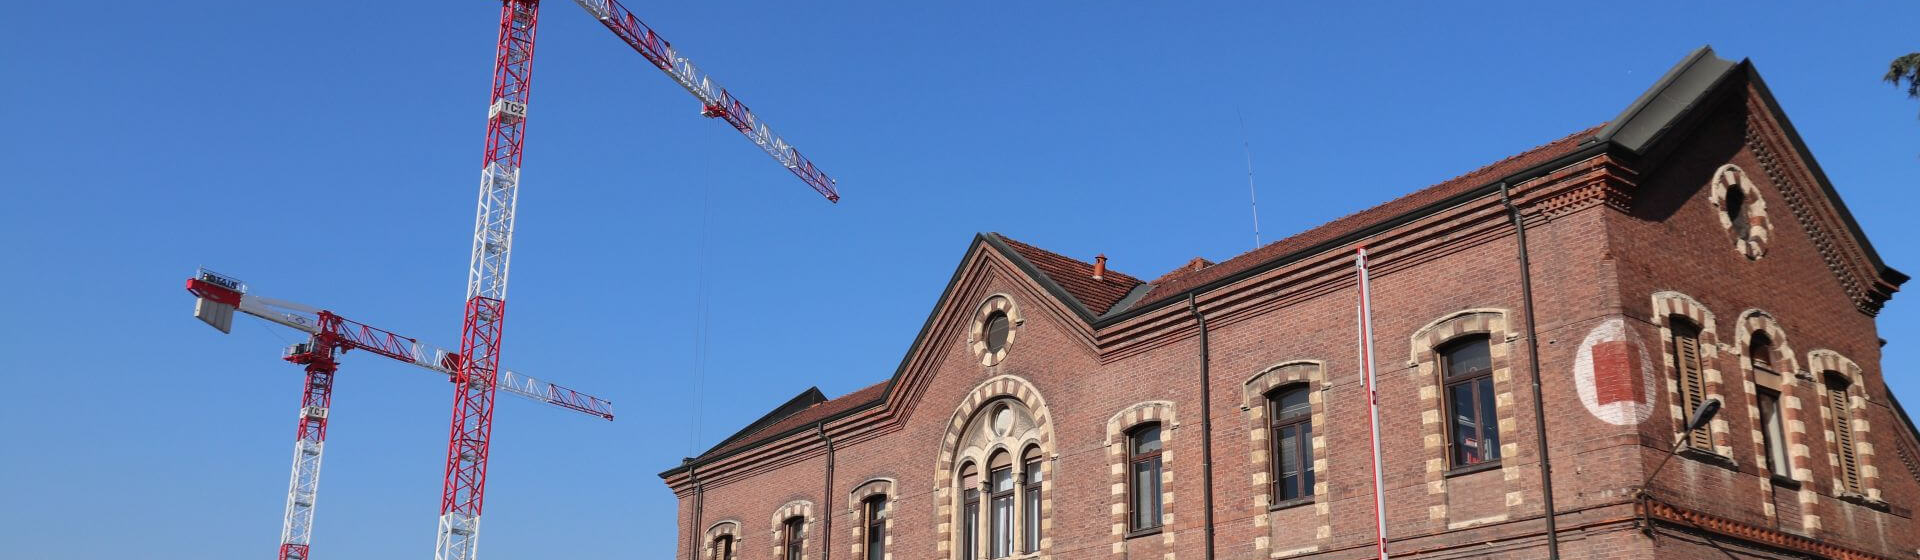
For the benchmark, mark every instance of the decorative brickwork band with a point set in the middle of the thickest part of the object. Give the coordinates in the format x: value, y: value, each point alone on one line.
x: 1728, y: 527
x: 1310, y: 374
x: 1004, y: 414
x: 797, y: 508
x: 1122, y: 423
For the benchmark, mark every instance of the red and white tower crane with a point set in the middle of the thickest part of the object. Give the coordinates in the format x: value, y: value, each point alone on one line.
x: 329, y: 333
x: 464, y: 489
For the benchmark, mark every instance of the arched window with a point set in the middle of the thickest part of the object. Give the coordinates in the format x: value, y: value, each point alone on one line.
x: 1143, y: 456
x: 1840, y: 413
x: 1736, y: 209
x: 722, y: 548
x: 875, y: 509
x: 1692, y: 377
x: 1290, y: 433
x: 970, y: 512
x: 1032, y: 480
x: 1473, y: 428
x: 1000, y: 505
x: 793, y: 538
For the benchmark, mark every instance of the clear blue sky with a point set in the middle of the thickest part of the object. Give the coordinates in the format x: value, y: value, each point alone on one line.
x: 328, y: 153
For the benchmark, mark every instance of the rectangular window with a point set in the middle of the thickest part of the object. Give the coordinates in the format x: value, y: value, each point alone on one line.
x: 794, y: 537
x: 970, y: 526
x: 723, y: 547
x: 877, y: 528
x: 1775, y: 432
x: 1693, y: 378
x: 1290, y: 421
x: 1000, y: 509
x: 1030, y: 506
x: 1144, y: 478
x: 1473, y: 424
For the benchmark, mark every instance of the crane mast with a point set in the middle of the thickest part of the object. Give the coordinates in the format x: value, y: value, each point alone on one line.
x: 219, y: 296
x: 465, y: 482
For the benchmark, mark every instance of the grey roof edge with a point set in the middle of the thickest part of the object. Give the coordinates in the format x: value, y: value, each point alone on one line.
x: 807, y: 398
x: 1660, y: 107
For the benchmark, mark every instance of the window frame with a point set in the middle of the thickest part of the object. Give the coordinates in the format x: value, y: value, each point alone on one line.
x: 1474, y: 381
x: 999, y: 543
x: 1134, y: 528
x: 969, y: 512
x: 1303, y: 444
x: 1031, y: 487
x: 1837, y: 390
x: 1005, y: 334
x: 1692, y: 384
x: 794, y: 540
x: 874, y: 508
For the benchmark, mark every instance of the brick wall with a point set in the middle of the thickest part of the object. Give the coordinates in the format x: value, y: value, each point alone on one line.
x: 1598, y: 265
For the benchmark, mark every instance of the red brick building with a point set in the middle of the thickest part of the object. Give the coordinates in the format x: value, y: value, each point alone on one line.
x: 1689, y: 249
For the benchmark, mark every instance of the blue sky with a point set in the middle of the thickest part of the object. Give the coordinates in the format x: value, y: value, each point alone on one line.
x: 328, y: 153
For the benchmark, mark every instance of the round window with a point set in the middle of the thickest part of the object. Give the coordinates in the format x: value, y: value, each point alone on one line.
x: 998, y: 325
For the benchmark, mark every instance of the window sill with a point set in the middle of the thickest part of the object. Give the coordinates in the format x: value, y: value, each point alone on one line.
x: 1710, y: 458
x: 1473, y: 468
x: 1290, y: 504
x: 1856, y: 499
x: 1147, y: 532
x: 1784, y: 482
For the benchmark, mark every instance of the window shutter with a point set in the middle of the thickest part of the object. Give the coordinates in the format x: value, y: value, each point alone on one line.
x: 1843, y: 437
x: 1693, y: 385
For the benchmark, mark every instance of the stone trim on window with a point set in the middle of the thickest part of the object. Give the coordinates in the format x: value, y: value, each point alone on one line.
x: 1424, y: 357
x: 1118, y: 428
x: 977, y: 335
x: 1792, y: 414
x: 800, y: 508
x: 1750, y: 237
x: 856, y: 512
x: 963, y: 442
x: 1823, y: 362
x: 1253, y: 397
x: 1666, y: 306
x: 727, y: 527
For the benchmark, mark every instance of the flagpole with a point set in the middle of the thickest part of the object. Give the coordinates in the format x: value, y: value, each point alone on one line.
x: 1365, y: 317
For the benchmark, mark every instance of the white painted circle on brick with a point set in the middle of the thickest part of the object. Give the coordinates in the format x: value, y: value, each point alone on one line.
x: 1618, y: 413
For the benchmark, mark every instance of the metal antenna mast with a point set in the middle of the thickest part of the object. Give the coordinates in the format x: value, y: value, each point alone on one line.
x: 1252, y: 196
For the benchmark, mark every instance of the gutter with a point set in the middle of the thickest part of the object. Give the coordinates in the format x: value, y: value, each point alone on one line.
x: 1533, y: 358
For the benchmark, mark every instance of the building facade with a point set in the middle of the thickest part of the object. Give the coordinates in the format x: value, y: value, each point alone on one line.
x: 1688, y: 250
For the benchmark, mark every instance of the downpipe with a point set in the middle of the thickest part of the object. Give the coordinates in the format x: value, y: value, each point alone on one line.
x: 1533, y: 357
x: 1206, y: 425
x: 826, y: 499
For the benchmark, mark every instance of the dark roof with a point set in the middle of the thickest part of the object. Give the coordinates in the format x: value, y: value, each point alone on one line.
x: 1178, y: 284
x: 785, y: 420
x: 1076, y: 277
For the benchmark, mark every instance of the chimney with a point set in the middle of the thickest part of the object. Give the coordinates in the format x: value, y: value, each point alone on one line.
x: 1100, y: 267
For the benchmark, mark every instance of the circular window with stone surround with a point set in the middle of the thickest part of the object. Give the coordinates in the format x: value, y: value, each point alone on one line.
x: 995, y: 326
x: 1742, y: 211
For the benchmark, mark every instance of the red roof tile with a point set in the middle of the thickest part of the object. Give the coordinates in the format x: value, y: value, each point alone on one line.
x: 809, y: 415
x: 1076, y: 277
x: 1173, y: 284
